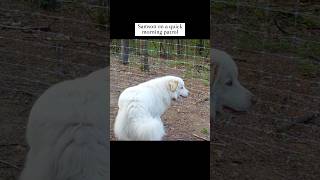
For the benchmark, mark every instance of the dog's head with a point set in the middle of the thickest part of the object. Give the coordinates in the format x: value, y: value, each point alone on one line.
x: 229, y: 94
x: 176, y: 87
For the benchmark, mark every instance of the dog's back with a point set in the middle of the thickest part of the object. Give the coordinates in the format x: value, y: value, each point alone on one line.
x: 67, y: 132
x: 139, y: 107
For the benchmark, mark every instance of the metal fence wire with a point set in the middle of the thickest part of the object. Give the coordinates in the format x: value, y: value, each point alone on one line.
x: 276, y: 47
x: 138, y: 60
x: 42, y: 43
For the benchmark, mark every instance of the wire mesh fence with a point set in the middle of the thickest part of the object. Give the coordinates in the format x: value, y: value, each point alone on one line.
x: 136, y: 61
x: 276, y: 46
x: 43, y: 42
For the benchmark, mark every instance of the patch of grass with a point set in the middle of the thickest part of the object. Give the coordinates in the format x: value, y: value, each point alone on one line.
x: 194, y: 71
x: 50, y: 4
x: 205, y: 82
x: 305, y: 49
x: 278, y: 46
x: 260, y: 14
x: 204, y: 131
x: 188, y: 74
x: 308, y: 69
x: 249, y: 41
x: 179, y: 63
x: 311, y: 22
x: 99, y: 16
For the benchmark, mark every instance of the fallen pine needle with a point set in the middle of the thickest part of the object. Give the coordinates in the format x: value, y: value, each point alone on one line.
x: 200, y: 137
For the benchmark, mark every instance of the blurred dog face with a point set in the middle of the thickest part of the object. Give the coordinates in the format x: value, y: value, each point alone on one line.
x: 177, y: 88
x: 232, y: 95
x: 229, y: 94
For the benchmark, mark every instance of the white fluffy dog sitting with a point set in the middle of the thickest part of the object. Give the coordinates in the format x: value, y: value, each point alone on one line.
x: 67, y: 132
x: 141, y: 107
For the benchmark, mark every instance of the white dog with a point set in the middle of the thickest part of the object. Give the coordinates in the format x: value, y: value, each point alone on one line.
x: 228, y: 94
x: 67, y: 132
x: 141, y: 106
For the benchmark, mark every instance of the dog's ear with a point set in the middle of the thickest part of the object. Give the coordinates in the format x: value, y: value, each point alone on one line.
x: 173, y: 84
x: 214, y: 66
x: 214, y: 73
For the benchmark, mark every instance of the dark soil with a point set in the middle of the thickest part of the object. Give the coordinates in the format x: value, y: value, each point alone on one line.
x: 261, y: 144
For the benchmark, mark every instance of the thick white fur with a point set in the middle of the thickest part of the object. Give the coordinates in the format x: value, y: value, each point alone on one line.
x: 67, y: 132
x: 141, y: 107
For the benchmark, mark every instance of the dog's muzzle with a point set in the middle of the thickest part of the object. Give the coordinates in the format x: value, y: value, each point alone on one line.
x: 185, y: 94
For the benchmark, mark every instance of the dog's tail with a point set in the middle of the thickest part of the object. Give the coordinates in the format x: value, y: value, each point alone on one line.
x: 80, y: 153
x: 134, y: 123
x: 148, y: 128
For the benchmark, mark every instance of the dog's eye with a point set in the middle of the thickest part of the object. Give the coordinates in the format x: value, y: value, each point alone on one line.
x: 229, y: 83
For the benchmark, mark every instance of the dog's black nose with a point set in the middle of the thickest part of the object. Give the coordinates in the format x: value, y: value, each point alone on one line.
x: 254, y: 100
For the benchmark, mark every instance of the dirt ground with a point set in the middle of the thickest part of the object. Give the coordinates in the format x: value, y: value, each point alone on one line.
x: 31, y: 62
x: 260, y: 144
x: 186, y: 120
